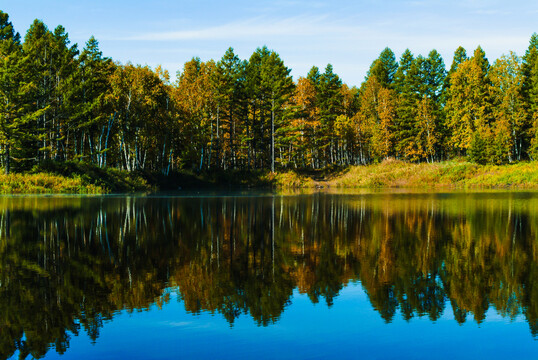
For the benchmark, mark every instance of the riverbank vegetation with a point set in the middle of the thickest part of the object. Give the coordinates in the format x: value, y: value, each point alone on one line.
x: 457, y: 174
x: 233, y: 117
x: 76, y: 178
x: 72, y: 178
x: 43, y: 183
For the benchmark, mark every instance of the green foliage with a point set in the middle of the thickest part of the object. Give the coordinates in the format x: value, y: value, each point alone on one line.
x: 57, y: 103
x: 384, y: 68
x: 468, y: 107
x: 419, y: 84
x: 512, y: 123
x: 478, y: 151
x: 13, y: 117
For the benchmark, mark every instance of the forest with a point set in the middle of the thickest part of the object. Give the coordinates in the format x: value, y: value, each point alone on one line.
x: 59, y: 103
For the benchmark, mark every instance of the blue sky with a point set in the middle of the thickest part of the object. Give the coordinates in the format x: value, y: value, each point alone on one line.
x: 348, y: 34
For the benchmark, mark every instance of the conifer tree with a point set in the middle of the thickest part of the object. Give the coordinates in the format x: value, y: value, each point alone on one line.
x: 275, y: 77
x: 434, y: 74
x: 434, y: 133
x: 330, y: 107
x: 255, y: 120
x: 530, y: 91
x: 416, y: 80
x: 314, y: 77
x: 460, y: 55
x: 63, y: 66
x: 93, y: 114
x: 229, y: 79
x: 468, y: 107
x: 12, y: 104
x: 404, y: 65
x: 270, y: 86
x: 530, y: 84
x: 384, y: 68
x: 37, y: 57
x: 405, y: 103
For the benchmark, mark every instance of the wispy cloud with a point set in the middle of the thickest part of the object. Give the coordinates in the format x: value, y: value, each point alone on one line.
x: 346, y: 33
x: 349, y: 36
x: 258, y: 27
x: 330, y: 32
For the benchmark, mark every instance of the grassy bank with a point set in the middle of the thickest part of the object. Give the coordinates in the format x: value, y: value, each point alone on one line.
x: 78, y: 178
x: 72, y: 178
x: 45, y: 183
x: 399, y: 174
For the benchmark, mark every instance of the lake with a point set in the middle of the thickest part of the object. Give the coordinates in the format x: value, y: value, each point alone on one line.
x: 260, y: 275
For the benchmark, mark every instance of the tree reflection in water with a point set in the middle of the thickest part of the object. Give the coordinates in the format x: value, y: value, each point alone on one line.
x: 68, y: 264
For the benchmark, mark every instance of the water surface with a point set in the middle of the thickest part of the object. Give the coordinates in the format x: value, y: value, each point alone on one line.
x: 372, y: 275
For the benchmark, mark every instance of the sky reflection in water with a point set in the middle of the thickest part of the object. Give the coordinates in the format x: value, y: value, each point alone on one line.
x: 310, y: 276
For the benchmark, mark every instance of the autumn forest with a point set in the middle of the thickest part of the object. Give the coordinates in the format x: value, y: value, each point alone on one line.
x: 62, y: 103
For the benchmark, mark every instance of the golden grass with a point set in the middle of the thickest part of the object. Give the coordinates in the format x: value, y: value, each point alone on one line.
x: 44, y: 183
x: 399, y: 174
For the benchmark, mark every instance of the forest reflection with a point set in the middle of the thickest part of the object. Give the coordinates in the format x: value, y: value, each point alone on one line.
x: 67, y: 264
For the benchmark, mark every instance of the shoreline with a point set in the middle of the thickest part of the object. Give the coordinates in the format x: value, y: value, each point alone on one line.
x: 395, y: 174
x: 78, y: 178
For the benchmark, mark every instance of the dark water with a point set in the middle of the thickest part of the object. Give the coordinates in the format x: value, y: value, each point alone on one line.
x: 262, y: 276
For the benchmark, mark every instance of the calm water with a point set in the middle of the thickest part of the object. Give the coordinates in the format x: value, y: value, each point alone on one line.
x: 302, y: 276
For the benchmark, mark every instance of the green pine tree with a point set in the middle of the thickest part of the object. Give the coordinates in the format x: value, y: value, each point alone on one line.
x: 384, y: 68
x: 12, y: 104
x: 90, y: 100
x: 329, y: 99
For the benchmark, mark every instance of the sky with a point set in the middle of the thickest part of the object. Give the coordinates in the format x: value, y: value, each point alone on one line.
x: 349, y: 34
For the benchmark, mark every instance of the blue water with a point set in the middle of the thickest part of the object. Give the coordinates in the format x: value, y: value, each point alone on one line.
x: 349, y: 329
x: 375, y: 276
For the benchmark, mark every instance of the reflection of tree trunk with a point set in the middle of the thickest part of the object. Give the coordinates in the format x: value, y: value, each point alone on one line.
x: 273, y: 236
x: 249, y: 231
x: 513, y: 245
x: 255, y: 238
x: 232, y: 235
x: 262, y: 240
x: 5, y: 224
x: 218, y: 238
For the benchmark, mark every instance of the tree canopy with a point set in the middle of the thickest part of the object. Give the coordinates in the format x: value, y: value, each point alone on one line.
x: 60, y: 103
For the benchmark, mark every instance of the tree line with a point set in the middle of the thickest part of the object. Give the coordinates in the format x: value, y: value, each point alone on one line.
x: 60, y: 103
